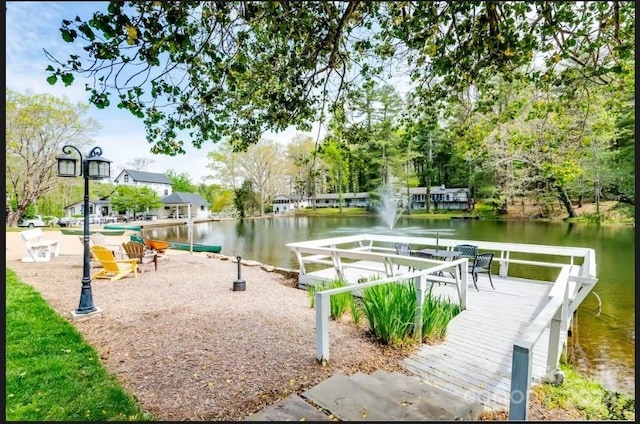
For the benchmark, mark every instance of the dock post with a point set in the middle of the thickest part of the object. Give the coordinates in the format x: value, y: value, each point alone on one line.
x: 504, y: 265
x: 520, y: 379
x: 420, y: 285
x: 464, y: 278
x: 559, y: 324
x: 322, y: 327
x: 553, y: 354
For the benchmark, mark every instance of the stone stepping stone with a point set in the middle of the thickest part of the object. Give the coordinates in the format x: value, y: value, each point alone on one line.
x: 293, y: 408
x: 413, y: 390
x: 348, y: 400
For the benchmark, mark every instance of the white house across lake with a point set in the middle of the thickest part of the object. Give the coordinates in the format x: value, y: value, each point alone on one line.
x: 441, y: 198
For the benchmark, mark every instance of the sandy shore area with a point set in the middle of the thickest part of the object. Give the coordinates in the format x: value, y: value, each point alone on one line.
x: 190, y: 348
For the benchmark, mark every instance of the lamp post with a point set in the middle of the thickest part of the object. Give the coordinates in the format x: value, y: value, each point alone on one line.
x: 93, y: 167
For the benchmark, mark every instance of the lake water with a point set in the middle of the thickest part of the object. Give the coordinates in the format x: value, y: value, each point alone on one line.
x: 603, y: 343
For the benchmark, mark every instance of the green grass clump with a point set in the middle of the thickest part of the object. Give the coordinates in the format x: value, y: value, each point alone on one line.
x: 339, y: 303
x: 52, y: 374
x: 587, y: 396
x: 390, y: 311
x: 436, y: 315
x: 355, y: 309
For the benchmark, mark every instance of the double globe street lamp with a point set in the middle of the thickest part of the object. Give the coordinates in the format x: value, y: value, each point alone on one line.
x: 93, y: 167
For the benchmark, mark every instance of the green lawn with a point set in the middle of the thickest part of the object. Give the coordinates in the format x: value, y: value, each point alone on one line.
x: 52, y: 374
x: 332, y: 211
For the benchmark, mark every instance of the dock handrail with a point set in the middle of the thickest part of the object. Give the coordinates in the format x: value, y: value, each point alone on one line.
x: 502, y: 250
x: 322, y: 299
x: 564, y: 298
x: 572, y: 285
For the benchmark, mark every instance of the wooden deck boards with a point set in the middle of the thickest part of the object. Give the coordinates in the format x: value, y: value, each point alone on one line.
x: 474, y: 360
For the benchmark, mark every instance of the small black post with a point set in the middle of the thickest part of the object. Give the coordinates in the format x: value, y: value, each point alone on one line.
x: 239, y: 284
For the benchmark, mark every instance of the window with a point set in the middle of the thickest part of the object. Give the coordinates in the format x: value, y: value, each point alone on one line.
x: 126, y: 178
x: 166, y: 191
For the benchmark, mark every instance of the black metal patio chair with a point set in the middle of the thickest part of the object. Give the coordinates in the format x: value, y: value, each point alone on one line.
x: 467, y: 251
x: 404, y: 250
x: 481, y: 263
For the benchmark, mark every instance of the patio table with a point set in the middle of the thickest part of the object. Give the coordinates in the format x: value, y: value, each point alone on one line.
x: 441, y: 253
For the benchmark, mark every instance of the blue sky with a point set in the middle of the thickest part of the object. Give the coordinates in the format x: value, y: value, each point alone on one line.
x: 34, y: 26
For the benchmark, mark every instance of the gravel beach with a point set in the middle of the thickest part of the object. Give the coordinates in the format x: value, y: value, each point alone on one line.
x: 190, y: 348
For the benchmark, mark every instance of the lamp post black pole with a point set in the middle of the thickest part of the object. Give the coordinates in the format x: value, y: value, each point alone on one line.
x: 86, y: 299
x: 86, y: 305
x: 95, y: 167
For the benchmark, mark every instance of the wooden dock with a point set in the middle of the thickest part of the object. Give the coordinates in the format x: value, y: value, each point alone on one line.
x: 474, y: 361
x: 502, y: 341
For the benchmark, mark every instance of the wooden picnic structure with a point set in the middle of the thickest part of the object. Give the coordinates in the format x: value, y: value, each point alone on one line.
x: 503, y: 340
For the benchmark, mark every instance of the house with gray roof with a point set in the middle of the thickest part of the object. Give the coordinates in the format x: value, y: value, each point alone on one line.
x: 180, y: 205
x: 96, y: 207
x: 441, y: 198
x: 332, y: 200
x: 157, y: 182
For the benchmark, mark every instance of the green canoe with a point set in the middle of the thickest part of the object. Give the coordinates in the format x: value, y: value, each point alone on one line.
x: 196, y: 247
x: 184, y: 246
x: 129, y: 227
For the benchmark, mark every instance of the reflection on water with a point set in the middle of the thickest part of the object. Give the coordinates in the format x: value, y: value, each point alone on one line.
x: 603, y: 345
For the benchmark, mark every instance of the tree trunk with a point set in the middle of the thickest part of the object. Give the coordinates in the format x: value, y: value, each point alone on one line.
x: 12, y: 218
x: 597, y: 193
x: 261, y: 202
x: 566, y: 201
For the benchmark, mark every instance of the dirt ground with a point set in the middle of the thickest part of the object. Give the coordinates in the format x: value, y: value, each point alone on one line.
x: 528, y: 210
x: 190, y: 348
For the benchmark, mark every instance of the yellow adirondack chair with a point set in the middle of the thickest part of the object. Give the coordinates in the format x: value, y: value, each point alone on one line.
x: 113, y: 269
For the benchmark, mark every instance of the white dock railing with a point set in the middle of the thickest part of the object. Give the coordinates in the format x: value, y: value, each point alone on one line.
x: 572, y: 285
x: 502, y: 251
x: 567, y: 293
x: 323, y: 299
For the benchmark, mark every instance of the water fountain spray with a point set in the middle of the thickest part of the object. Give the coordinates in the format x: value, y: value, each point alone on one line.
x: 389, y: 210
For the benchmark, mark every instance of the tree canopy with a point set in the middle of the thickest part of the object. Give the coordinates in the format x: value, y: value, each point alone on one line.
x: 37, y: 126
x: 205, y: 71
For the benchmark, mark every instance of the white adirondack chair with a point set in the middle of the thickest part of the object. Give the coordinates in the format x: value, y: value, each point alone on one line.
x: 39, y: 249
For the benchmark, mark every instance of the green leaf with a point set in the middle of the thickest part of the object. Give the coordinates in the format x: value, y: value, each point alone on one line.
x: 52, y: 79
x: 67, y: 79
x: 66, y: 35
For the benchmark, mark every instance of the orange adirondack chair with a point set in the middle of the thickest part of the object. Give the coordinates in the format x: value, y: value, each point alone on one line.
x: 112, y: 268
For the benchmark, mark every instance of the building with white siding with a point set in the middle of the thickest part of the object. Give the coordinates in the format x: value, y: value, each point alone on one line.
x: 157, y: 182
